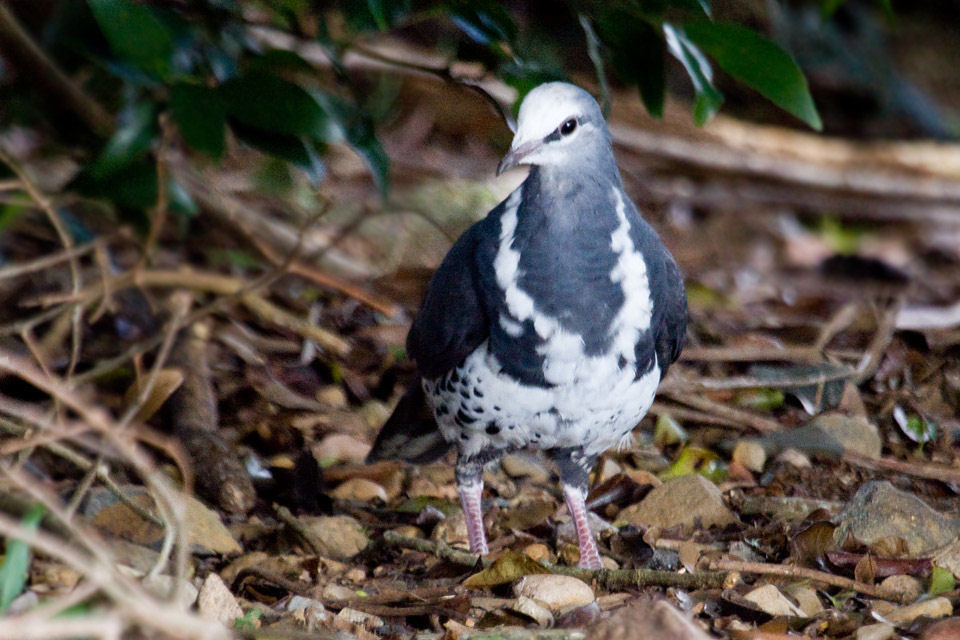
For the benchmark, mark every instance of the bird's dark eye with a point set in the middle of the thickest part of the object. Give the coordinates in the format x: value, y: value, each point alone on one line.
x: 568, y: 127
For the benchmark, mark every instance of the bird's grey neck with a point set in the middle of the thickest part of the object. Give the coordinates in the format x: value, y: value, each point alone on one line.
x: 600, y: 167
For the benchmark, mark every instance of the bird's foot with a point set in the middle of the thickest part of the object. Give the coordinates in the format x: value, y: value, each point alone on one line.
x: 576, y: 504
x: 470, y: 498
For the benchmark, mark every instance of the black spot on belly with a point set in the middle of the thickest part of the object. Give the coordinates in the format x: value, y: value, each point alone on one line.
x: 463, y: 418
x: 454, y: 376
x: 442, y: 410
x: 464, y: 436
x: 476, y: 391
x: 493, y: 429
x: 496, y: 407
x: 622, y: 362
x: 464, y: 393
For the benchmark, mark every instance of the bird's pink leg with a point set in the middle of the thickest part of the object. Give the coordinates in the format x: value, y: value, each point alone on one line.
x: 470, y: 496
x: 576, y: 504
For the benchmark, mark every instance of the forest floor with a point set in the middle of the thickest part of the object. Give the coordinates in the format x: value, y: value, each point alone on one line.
x: 192, y: 401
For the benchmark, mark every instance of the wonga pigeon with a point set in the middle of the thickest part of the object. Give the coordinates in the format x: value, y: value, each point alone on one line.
x: 549, y: 324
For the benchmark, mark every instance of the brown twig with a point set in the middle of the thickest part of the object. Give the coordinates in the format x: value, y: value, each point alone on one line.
x: 214, y: 283
x: 802, y: 573
x: 614, y: 580
x: 436, y: 548
x: 41, y: 200
x: 748, y: 419
x: 928, y: 471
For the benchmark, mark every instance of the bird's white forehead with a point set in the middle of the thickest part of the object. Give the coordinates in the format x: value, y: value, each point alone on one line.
x: 547, y: 106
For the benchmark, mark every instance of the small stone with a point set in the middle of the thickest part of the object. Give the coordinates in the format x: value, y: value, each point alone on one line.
x: 359, y: 489
x: 340, y: 447
x: 247, y: 560
x: 794, y: 458
x: 452, y: 530
x: 518, y: 465
x: 54, y: 576
x: 162, y: 586
x: 134, y: 555
x: 206, y: 531
x: 409, y: 531
x: 215, y: 601
x: 880, y: 511
x: 554, y: 591
x: 338, y: 537
x: 751, y: 454
x: 642, y: 619
x: 854, y: 434
x: 335, y: 592
x: 356, y: 575
x: 539, y: 552
x: 878, y: 631
x: 769, y: 599
x: 309, y: 611
x: 938, y: 607
x: 608, y: 469
x: 361, y: 618
x: 332, y: 396
x: 533, y: 609
x: 947, y: 629
x: 685, y: 501
x: 907, y: 587
x: 806, y: 597
x: 374, y: 413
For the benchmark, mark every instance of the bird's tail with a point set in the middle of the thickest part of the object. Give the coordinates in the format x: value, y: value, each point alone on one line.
x: 411, y: 432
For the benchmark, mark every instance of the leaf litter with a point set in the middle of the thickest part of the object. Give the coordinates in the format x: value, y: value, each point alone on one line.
x: 775, y: 488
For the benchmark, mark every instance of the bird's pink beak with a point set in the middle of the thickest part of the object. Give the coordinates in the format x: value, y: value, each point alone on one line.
x: 516, y: 155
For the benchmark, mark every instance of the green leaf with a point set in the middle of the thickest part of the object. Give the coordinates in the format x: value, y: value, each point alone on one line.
x: 696, y: 6
x: 689, y: 460
x: 829, y: 7
x: 941, y: 581
x: 135, y: 34
x: 134, y: 188
x: 915, y: 427
x: 379, y: 15
x: 200, y: 115
x: 637, y: 55
x: 13, y: 573
x: 486, y: 23
x: 709, y: 98
x: 272, y: 104
x: 300, y: 151
x: 134, y: 136
x: 351, y: 124
x: 766, y: 398
x: 759, y: 63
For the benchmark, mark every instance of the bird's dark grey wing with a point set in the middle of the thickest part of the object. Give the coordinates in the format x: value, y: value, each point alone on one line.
x: 669, y: 322
x: 453, y: 319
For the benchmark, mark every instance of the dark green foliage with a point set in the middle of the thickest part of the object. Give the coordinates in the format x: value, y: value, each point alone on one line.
x: 201, y: 116
x: 136, y: 35
x: 201, y: 65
